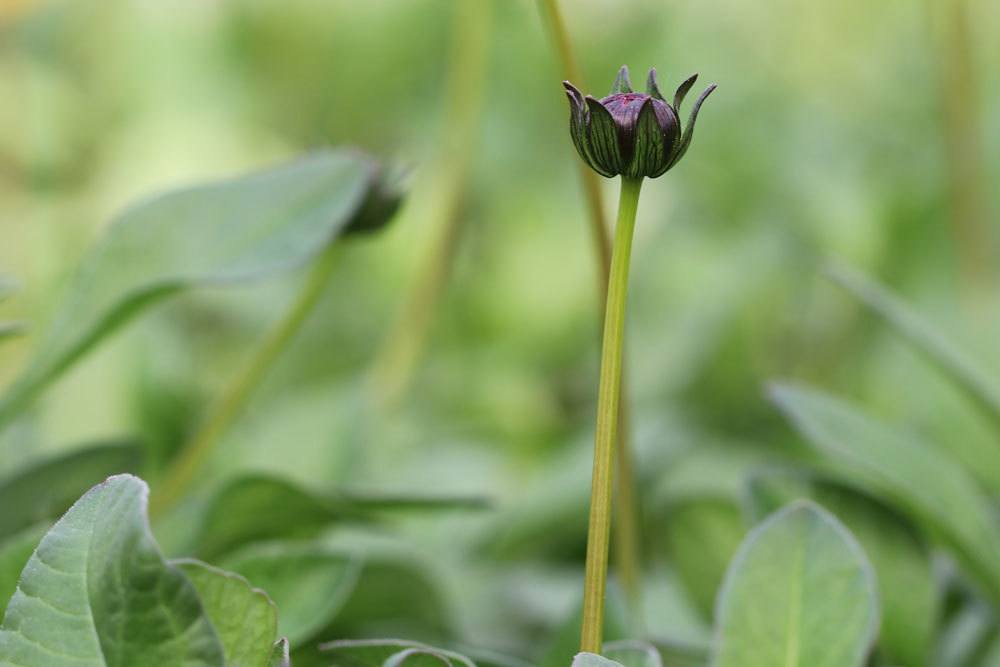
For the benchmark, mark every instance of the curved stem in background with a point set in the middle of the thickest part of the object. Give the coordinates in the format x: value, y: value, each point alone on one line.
x: 963, y: 138
x: 628, y: 553
x: 196, y: 450
x: 397, y: 360
x: 608, y: 400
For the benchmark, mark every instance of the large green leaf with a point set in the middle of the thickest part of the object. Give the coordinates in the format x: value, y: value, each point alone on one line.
x: 391, y: 653
x: 948, y: 356
x: 906, y: 584
x: 97, y: 592
x: 262, y: 507
x: 243, y: 616
x: 220, y: 233
x: 44, y: 489
x: 939, y: 495
x: 799, y: 593
x: 309, y: 583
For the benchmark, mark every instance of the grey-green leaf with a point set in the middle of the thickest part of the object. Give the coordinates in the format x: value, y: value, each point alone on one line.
x: 915, y: 477
x: 224, y: 232
x: 949, y: 357
x: 799, y: 593
x: 243, y: 616
x: 15, y: 550
x: 45, y: 489
x: 593, y: 660
x: 392, y: 653
x: 98, y: 593
x: 906, y: 583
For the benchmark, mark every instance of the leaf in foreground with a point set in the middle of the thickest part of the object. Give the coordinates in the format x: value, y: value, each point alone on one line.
x: 593, y: 660
x: 224, y: 232
x: 98, y: 593
x: 799, y: 593
x: 243, y: 616
x: 913, y: 476
x: 392, y: 653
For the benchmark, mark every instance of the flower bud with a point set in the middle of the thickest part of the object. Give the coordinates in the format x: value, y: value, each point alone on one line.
x: 631, y: 134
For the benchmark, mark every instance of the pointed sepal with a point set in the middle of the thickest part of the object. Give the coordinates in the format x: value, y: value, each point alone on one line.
x: 689, y: 129
x: 652, y: 89
x: 682, y: 91
x: 622, y: 83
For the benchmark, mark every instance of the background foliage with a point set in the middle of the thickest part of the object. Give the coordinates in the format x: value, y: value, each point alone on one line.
x: 832, y: 138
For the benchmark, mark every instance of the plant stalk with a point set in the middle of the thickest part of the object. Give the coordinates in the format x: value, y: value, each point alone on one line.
x: 628, y: 556
x: 397, y: 360
x: 196, y: 451
x: 608, y: 402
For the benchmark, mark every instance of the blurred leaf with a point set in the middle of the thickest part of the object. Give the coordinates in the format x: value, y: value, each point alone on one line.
x: 677, y: 655
x: 631, y: 653
x: 911, y: 475
x: 702, y: 535
x: 800, y: 592
x: 965, y: 371
x: 78, y: 594
x: 244, y: 618
x: 904, y: 572
x: 279, y: 654
x: 260, y: 507
x: 11, y: 330
x: 309, y: 583
x: 224, y: 232
x: 391, y: 653
x: 564, y: 642
x: 45, y: 489
x: 593, y: 660
x: 15, y: 551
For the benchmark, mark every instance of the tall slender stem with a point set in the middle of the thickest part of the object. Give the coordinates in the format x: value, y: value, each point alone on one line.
x: 627, y: 543
x: 608, y: 399
x: 196, y: 451
x: 397, y: 360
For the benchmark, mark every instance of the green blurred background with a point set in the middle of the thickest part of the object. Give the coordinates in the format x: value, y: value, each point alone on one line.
x: 847, y: 131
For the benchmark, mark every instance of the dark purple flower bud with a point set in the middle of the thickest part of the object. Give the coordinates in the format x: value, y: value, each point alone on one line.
x: 631, y: 134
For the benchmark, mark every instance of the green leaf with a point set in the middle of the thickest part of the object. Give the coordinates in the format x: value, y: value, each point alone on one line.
x: 904, y: 570
x: 392, y: 653
x: 45, y: 489
x: 702, y: 535
x: 308, y: 582
x: 279, y: 654
x: 262, y: 507
x: 243, y: 616
x: 593, y: 660
x: 224, y: 232
x: 949, y: 357
x: 15, y: 551
x: 799, y: 593
x: 97, y: 592
x: 938, y: 494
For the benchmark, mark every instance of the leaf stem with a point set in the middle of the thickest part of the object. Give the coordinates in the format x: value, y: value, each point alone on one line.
x: 627, y: 540
x: 608, y: 399
x: 195, y: 452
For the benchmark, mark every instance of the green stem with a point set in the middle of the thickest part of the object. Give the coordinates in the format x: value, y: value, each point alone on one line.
x: 195, y: 452
x: 627, y: 543
x: 608, y: 400
x: 397, y: 360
